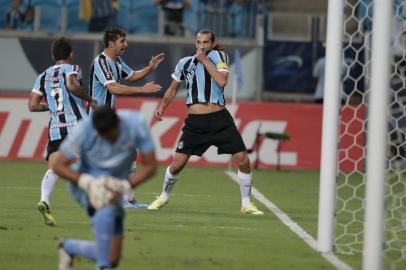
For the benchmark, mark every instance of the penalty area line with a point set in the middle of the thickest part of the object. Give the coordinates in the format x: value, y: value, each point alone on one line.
x: 293, y: 226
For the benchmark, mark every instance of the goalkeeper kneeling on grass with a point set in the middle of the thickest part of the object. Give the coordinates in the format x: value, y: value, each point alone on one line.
x: 105, y: 147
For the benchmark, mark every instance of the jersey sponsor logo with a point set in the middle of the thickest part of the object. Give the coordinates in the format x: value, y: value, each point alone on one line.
x: 23, y: 135
x: 61, y: 125
x: 105, y: 69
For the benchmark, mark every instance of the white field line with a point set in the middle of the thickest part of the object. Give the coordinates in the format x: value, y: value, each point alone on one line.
x: 149, y: 225
x: 299, y: 231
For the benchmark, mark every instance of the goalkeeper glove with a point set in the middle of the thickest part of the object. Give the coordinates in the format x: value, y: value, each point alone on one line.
x: 118, y: 185
x: 96, y: 190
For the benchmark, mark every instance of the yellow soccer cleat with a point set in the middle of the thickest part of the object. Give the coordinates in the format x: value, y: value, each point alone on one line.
x: 158, y: 203
x: 45, y: 211
x: 251, y: 209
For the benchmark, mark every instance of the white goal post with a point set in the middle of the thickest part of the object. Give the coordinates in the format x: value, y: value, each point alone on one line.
x: 362, y: 201
x: 377, y: 137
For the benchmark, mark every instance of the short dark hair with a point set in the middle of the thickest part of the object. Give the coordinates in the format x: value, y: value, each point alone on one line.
x: 104, y: 119
x: 210, y: 32
x: 112, y: 34
x: 61, y: 49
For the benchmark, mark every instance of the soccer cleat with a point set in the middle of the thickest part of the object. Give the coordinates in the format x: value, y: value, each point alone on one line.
x: 158, y: 203
x: 65, y: 260
x: 251, y: 209
x: 45, y: 211
x: 134, y: 204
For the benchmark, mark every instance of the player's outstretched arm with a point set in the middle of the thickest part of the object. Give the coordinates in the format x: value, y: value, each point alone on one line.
x: 152, y: 65
x: 170, y: 94
x: 120, y: 89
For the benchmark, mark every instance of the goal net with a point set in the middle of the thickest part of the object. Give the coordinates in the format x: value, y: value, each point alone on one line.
x: 353, y: 125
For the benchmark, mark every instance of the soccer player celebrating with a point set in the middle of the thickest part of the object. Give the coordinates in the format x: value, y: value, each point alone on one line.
x: 60, y: 86
x: 107, y: 70
x: 208, y: 122
x: 106, y: 145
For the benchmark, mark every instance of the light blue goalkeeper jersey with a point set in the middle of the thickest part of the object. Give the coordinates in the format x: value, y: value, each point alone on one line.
x: 65, y: 108
x: 99, y: 157
x: 104, y: 71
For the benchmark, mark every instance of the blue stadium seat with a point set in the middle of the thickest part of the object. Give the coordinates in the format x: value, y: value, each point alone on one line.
x: 193, y: 17
x: 4, y: 7
x: 124, y: 17
x: 74, y: 23
x: 50, y: 14
x: 138, y: 16
x: 237, y: 20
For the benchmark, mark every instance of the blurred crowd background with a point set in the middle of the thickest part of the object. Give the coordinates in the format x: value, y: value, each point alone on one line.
x: 280, y: 44
x: 234, y: 18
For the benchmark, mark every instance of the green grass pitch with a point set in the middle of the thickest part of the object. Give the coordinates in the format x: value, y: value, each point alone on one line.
x: 200, y: 228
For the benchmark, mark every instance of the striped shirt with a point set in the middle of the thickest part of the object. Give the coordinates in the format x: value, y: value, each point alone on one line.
x: 200, y: 86
x: 102, y: 72
x: 65, y: 108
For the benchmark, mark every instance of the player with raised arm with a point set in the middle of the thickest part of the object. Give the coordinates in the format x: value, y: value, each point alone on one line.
x: 107, y: 70
x: 60, y: 87
x: 106, y: 145
x: 208, y: 122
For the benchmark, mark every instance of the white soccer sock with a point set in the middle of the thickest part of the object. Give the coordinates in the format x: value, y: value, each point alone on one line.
x: 48, y: 185
x: 169, y: 181
x: 245, y: 187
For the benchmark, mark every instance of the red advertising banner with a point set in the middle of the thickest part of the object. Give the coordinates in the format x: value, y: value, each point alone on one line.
x: 23, y: 135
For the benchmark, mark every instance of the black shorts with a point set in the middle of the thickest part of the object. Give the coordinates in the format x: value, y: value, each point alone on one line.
x: 53, y: 146
x: 204, y: 130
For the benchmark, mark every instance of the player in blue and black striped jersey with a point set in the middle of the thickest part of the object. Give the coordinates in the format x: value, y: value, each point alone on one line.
x: 208, y: 122
x: 60, y: 87
x: 109, y: 69
x: 106, y: 73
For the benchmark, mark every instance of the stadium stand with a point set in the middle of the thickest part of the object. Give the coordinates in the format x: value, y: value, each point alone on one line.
x: 295, y: 6
x: 75, y: 24
x: 4, y: 7
x: 193, y: 16
x: 124, y: 12
x: 50, y: 10
x: 138, y: 16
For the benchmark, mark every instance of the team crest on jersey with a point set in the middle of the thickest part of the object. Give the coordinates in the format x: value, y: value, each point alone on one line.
x: 180, y: 145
